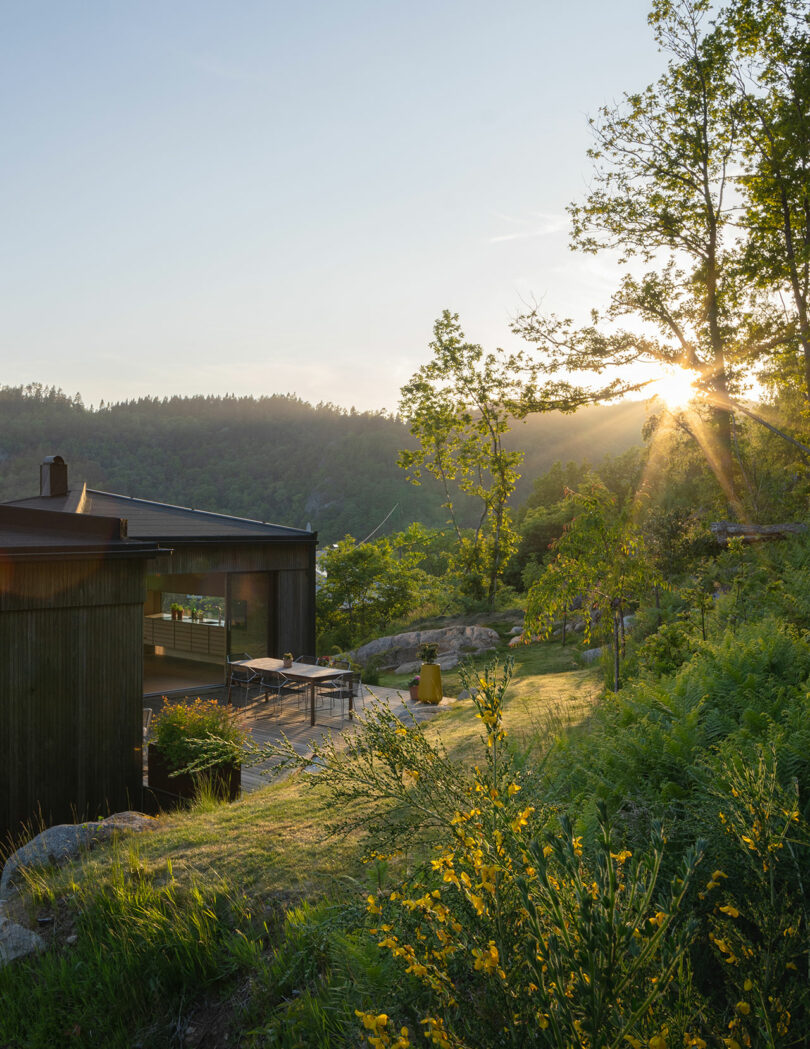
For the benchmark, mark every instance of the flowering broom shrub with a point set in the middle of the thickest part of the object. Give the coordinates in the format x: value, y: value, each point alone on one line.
x: 759, y: 923
x: 522, y: 937
x: 521, y: 933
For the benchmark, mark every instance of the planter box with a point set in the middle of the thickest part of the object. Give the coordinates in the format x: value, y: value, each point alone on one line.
x: 227, y: 778
x: 430, y: 683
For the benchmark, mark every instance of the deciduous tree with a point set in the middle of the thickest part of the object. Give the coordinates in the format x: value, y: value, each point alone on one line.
x: 662, y: 197
x: 459, y: 406
x: 600, y: 559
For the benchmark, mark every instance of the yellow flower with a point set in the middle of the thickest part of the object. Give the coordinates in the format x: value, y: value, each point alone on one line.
x: 748, y: 985
x: 732, y: 912
x: 487, y: 959
x: 743, y: 1008
x: 658, y: 1042
x: 478, y: 903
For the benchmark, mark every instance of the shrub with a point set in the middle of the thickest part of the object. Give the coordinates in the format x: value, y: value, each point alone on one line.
x: 428, y: 652
x: 523, y: 938
x: 198, y: 734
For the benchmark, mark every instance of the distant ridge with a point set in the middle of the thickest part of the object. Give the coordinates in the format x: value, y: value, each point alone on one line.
x: 273, y: 458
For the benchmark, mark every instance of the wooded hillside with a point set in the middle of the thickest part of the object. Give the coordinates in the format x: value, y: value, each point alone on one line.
x: 276, y: 458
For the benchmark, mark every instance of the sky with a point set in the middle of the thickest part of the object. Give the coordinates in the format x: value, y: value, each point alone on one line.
x: 263, y: 197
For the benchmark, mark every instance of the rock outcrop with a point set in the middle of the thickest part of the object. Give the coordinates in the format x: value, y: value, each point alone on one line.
x: 57, y: 845
x: 16, y: 941
x: 401, y: 651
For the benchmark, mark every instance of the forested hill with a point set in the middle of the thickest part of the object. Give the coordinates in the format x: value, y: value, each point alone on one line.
x: 273, y: 458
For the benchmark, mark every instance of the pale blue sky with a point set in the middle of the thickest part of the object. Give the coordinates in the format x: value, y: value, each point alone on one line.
x: 259, y: 197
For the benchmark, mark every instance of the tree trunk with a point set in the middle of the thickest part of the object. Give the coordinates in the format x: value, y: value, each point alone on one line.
x: 616, y: 681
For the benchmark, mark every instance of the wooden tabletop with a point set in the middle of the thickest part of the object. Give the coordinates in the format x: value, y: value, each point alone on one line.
x: 296, y: 672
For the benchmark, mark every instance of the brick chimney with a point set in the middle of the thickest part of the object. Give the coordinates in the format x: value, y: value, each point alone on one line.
x: 53, y: 477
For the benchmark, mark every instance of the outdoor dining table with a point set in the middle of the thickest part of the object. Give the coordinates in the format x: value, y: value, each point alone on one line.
x: 310, y: 675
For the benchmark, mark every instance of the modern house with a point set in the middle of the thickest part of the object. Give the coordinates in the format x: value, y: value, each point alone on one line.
x: 71, y: 665
x: 87, y: 582
x: 253, y: 583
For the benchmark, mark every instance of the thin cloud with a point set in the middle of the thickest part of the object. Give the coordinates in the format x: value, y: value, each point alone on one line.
x: 540, y: 224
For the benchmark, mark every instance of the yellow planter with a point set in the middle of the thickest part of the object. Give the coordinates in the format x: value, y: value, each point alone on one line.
x: 430, y: 683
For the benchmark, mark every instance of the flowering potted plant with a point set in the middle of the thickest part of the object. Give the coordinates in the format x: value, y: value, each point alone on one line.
x: 413, y: 687
x: 193, y: 745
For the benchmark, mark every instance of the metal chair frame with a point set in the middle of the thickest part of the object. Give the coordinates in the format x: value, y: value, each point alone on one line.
x: 240, y: 677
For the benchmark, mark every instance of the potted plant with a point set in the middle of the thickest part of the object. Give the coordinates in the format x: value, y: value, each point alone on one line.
x: 413, y: 687
x: 287, y: 659
x: 429, y: 689
x: 193, y: 745
x: 176, y: 610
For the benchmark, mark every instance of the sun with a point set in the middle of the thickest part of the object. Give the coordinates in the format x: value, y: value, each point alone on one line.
x: 676, y: 387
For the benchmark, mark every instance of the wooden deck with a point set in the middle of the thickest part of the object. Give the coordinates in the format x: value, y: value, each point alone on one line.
x: 267, y: 724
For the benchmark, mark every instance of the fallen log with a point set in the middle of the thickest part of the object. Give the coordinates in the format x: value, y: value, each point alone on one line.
x: 751, y: 533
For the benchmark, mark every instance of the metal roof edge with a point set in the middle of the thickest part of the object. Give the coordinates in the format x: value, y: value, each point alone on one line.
x: 193, y: 510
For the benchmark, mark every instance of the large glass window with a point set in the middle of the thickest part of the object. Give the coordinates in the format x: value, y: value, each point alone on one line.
x: 251, y: 624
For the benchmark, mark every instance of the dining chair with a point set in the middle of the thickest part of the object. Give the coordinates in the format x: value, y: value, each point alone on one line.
x: 273, y: 685
x: 334, y: 690
x: 239, y: 676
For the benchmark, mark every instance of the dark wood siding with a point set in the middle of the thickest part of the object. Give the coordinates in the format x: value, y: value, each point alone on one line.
x: 71, y: 677
x: 295, y: 628
x: 266, y: 556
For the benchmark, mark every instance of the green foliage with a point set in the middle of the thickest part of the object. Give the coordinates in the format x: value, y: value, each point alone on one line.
x: 459, y: 408
x: 772, y: 46
x: 323, y: 968
x: 520, y: 935
x: 663, y: 652
x: 369, y: 585
x: 187, y: 732
x: 759, y: 920
x: 542, y: 519
x: 601, y: 561
x: 428, y: 652
x: 387, y: 779
x: 147, y: 947
x: 647, y: 744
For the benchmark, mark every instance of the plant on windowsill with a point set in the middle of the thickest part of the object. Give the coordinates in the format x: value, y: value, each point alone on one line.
x: 196, y: 745
x: 177, y: 611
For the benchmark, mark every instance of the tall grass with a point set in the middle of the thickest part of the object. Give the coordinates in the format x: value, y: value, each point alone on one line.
x: 147, y: 948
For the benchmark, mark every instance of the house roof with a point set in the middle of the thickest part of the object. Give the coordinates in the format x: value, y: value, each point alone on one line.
x: 161, y: 521
x: 32, y: 534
